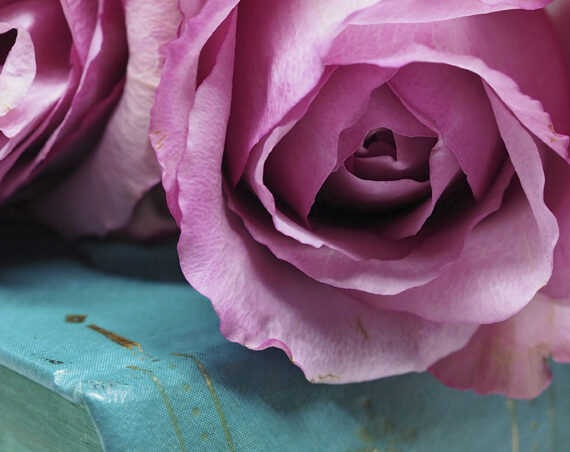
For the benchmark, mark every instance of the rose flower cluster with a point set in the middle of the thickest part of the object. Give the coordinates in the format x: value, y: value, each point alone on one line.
x: 375, y: 187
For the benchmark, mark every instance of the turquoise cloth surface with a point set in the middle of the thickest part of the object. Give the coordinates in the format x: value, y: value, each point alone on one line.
x: 155, y: 374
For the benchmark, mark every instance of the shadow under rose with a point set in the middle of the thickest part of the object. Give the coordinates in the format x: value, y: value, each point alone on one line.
x: 412, y: 412
x: 23, y: 243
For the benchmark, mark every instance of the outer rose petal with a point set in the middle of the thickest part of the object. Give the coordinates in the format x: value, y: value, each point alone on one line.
x: 102, y: 193
x: 510, y: 357
x: 181, y: 69
x: 557, y: 195
x: 265, y: 302
x: 558, y: 175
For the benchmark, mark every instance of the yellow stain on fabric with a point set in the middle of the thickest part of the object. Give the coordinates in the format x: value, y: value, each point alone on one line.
x: 214, y: 396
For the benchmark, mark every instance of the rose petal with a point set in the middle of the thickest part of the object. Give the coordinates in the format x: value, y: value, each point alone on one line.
x: 102, y: 193
x: 510, y: 357
x: 18, y: 71
x: 557, y: 198
x: 557, y: 192
x: 343, y: 189
x: 411, y: 161
x: 384, y: 109
x: 45, y: 116
x: 339, y: 341
x: 99, y: 82
x: 275, y: 74
x: 453, y: 102
x: 443, y: 172
x: 360, y: 260
x: 50, y: 94
x: 181, y: 69
x: 81, y: 17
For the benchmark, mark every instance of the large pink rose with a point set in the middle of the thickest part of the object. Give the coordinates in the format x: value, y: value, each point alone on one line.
x: 375, y: 186
x: 76, y: 86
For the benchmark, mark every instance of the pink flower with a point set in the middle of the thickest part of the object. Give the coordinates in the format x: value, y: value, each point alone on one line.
x: 76, y: 87
x: 365, y: 184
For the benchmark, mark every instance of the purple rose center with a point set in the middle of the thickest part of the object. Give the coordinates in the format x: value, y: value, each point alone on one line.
x: 379, y: 142
x: 386, y: 177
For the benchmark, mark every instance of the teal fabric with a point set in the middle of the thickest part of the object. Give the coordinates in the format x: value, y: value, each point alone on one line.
x: 155, y: 374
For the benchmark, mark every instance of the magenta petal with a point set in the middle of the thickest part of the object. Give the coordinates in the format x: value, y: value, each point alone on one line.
x: 276, y: 73
x: 510, y: 357
x: 97, y: 90
x: 484, y: 284
x: 384, y: 110
x: 41, y: 98
x: 300, y: 35
x: 557, y: 193
x: 103, y: 71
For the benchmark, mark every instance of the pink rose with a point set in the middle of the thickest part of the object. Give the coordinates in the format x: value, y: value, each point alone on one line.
x: 76, y: 87
x: 374, y: 186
